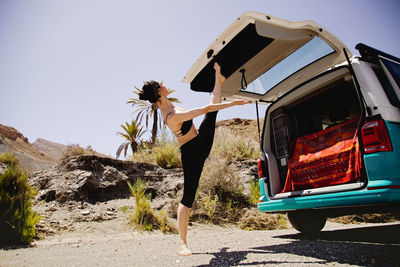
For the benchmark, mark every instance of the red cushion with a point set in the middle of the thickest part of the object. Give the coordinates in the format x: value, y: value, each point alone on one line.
x: 328, y: 157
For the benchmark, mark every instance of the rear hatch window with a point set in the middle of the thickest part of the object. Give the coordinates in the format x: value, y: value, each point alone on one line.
x: 307, y: 54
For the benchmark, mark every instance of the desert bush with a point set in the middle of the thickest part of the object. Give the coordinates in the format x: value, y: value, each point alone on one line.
x: 220, y: 197
x: 256, y: 220
x: 219, y: 178
x: 164, y: 153
x: 125, y: 209
x: 167, y: 155
x: 8, y: 158
x: 367, y: 218
x: 73, y: 150
x: 143, y: 216
x: 165, y: 225
x: 208, y: 204
x: 143, y: 155
x: 232, y: 147
x: 255, y: 192
x: 17, y: 221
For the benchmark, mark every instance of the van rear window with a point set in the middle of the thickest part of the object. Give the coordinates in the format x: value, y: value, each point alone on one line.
x: 312, y: 51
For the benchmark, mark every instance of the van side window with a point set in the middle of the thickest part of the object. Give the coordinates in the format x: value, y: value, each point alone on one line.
x: 394, y: 69
x: 387, y: 86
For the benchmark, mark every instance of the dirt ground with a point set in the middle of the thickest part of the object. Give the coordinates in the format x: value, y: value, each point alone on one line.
x: 99, y: 235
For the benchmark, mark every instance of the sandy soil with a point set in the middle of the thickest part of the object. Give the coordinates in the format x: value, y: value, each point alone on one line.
x: 80, y: 238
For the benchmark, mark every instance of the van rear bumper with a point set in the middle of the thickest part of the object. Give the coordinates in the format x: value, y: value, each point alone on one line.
x: 377, y: 193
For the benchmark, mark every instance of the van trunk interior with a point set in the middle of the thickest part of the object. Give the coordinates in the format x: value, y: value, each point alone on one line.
x: 314, y: 138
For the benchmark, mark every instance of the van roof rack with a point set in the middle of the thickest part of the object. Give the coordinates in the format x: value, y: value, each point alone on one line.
x: 371, y: 54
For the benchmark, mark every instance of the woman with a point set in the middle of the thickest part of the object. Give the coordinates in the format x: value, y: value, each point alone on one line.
x: 195, y: 145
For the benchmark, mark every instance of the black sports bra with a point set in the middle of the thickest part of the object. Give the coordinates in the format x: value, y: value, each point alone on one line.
x: 186, y: 126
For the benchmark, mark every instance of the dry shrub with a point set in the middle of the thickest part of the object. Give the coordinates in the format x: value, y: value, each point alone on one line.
x: 9, y: 159
x: 219, y: 178
x: 220, y: 197
x: 143, y: 216
x: 367, y: 218
x: 256, y: 220
x: 255, y: 192
x: 164, y: 223
x: 74, y: 150
x: 17, y: 220
x: 208, y: 204
x: 143, y: 155
x: 232, y: 147
x: 167, y: 155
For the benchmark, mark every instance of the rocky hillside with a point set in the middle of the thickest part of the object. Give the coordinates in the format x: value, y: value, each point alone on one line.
x: 94, y: 179
x: 51, y: 149
x: 242, y: 127
x: 43, y: 154
x: 30, y: 157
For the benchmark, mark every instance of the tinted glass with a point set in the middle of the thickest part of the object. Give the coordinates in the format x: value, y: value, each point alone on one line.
x: 394, y: 70
x: 310, y: 52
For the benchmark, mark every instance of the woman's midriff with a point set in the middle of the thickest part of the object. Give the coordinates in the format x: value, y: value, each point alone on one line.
x: 187, y: 137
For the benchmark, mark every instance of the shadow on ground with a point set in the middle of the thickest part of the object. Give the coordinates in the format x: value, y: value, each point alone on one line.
x: 366, y: 246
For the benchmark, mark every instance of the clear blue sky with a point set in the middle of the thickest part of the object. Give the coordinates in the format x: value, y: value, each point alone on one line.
x: 67, y: 68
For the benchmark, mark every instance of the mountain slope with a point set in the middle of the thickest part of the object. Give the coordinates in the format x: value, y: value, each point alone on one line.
x: 31, y: 159
x: 51, y: 149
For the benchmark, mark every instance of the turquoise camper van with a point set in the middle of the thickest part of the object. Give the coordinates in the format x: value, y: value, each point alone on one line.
x: 330, y: 142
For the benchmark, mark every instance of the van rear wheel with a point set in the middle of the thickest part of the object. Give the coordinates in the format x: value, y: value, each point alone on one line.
x: 308, y: 223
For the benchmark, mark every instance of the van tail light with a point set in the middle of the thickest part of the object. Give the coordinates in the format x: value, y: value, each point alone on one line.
x: 375, y: 137
x: 260, y: 168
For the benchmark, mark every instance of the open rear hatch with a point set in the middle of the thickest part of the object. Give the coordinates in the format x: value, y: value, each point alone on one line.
x: 263, y: 57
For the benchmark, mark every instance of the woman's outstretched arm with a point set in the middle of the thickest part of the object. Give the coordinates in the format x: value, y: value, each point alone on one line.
x: 193, y: 113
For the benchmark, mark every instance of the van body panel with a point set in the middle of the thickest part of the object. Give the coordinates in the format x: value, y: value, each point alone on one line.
x: 341, y: 199
x: 385, y: 165
x: 373, y: 92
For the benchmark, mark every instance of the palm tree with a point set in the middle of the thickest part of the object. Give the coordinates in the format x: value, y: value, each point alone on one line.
x: 146, y: 110
x: 132, y: 133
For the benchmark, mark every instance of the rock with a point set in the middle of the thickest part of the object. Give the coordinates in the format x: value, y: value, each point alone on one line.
x: 81, y: 180
x: 51, y: 208
x: 85, y: 212
x: 92, y: 178
x: 98, y: 218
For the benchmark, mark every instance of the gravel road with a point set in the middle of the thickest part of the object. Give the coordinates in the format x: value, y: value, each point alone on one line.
x: 338, y: 245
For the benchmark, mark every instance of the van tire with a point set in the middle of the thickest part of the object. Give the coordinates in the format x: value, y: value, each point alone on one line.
x: 309, y: 223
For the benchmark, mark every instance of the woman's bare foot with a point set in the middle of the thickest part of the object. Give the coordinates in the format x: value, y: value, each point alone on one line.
x: 219, y: 78
x: 183, y: 250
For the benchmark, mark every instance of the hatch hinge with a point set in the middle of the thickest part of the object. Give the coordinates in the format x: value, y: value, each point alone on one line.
x: 243, y: 82
x: 258, y: 123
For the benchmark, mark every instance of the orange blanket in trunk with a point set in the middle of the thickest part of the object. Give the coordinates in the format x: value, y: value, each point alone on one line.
x: 328, y: 157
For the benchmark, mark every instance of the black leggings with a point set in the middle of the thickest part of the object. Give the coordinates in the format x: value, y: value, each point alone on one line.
x: 193, y: 154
